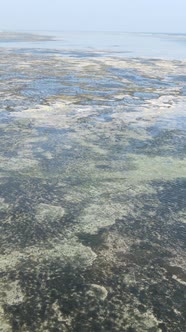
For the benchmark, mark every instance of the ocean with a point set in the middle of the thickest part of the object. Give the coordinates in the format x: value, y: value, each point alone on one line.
x: 92, y: 181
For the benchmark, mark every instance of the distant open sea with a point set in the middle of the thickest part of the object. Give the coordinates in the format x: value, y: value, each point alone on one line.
x: 155, y: 45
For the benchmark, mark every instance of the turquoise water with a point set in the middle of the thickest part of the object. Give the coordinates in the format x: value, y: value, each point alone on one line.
x: 92, y: 182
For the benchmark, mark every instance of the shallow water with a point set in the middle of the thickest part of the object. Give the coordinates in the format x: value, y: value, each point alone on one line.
x: 92, y: 184
x: 97, y: 44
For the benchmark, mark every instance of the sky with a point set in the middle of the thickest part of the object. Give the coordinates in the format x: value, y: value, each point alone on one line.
x: 94, y: 15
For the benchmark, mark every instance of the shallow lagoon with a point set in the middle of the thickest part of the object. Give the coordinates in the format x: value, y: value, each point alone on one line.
x: 92, y: 186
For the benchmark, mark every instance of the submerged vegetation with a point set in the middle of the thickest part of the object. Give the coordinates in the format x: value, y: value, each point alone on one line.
x: 92, y: 193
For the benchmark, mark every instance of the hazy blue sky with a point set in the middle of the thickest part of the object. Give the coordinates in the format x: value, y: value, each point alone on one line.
x: 101, y: 15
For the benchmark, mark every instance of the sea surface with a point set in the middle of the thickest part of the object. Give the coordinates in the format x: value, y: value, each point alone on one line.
x: 92, y: 182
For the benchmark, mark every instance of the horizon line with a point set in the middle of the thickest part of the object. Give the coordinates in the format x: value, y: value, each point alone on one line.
x: 91, y: 31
